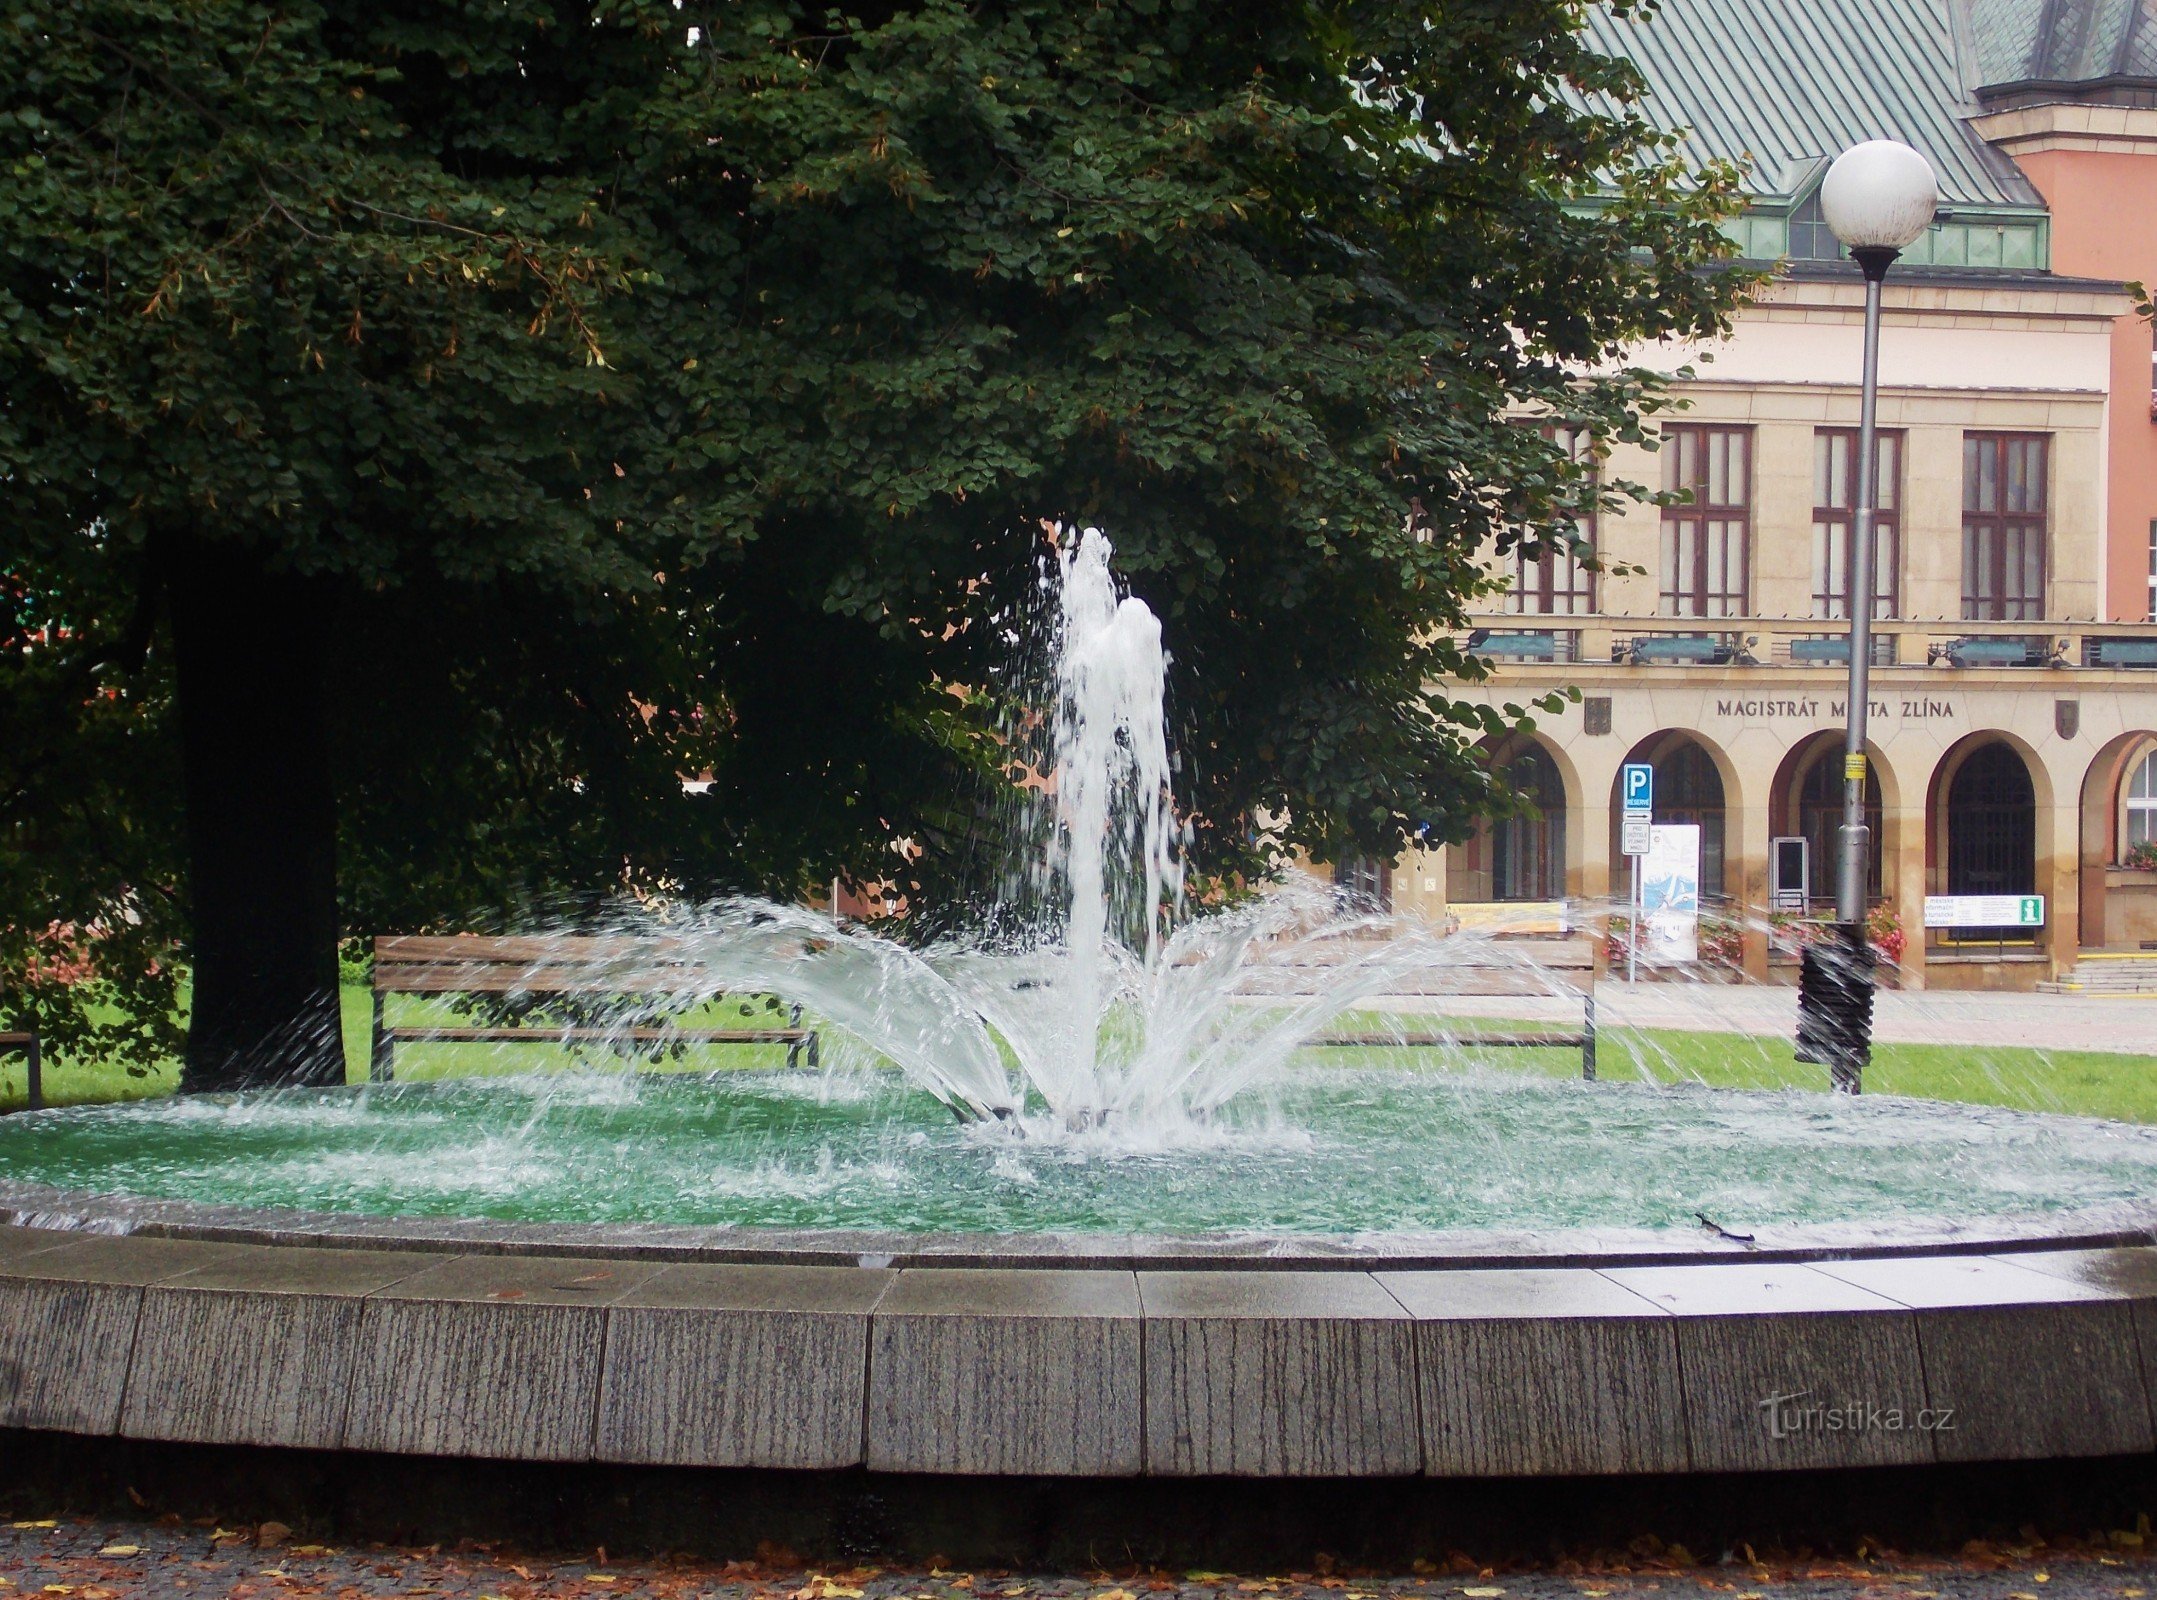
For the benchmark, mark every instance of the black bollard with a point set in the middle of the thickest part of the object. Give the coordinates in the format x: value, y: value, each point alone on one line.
x: 1835, y: 986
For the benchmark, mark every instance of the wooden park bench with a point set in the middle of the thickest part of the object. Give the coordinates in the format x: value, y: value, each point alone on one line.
x: 539, y: 969
x: 33, y: 1062
x: 1530, y: 968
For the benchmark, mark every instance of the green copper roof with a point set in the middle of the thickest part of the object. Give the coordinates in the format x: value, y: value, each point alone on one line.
x: 1782, y: 86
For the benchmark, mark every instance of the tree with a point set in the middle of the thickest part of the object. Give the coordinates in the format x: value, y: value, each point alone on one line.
x: 468, y: 417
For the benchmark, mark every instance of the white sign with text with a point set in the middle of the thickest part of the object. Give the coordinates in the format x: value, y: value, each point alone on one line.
x: 1670, y: 894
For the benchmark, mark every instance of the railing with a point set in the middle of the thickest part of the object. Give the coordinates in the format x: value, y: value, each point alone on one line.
x: 1806, y: 644
x: 1526, y: 644
x: 2009, y: 650
x: 1661, y: 649
x: 1829, y: 649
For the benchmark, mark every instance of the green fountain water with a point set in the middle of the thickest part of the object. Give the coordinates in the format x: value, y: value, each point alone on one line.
x: 1325, y: 1150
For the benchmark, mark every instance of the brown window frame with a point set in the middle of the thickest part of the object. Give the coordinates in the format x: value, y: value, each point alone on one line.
x: 1687, y: 446
x: 1834, y: 518
x: 1988, y: 531
x: 1554, y: 583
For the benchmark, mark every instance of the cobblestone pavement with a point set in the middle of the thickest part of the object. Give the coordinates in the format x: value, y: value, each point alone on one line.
x: 103, y: 1559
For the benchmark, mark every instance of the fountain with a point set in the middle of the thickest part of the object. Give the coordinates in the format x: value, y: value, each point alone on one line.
x: 1106, y: 1110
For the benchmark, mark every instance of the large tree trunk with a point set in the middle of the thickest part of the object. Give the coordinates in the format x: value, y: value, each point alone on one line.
x: 253, y: 659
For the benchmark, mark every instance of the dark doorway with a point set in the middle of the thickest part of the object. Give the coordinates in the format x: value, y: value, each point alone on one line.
x: 1992, y: 834
x: 1528, y: 852
x: 1689, y: 789
x: 1820, y: 821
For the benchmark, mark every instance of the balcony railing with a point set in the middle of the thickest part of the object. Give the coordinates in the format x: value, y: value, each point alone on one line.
x: 1804, y: 644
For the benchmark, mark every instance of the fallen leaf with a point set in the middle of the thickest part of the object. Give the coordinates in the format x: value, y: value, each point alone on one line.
x: 49, y: 1522
x: 1195, y: 1577
x: 272, y: 1534
x: 600, y: 1577
x: 2041, y: 1577
x: 1483, y: 1592
x: 121, y: 1550
x: 59, y: 1588
x: 1115, y: 1594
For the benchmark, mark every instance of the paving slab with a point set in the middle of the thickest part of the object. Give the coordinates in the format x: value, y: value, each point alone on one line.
x: 17, y: 1241
x: 1785, y: 1367
x: 122, y: 1259
x: 2018, y: 1363
x: 256, y: 1349
x: 739, y: 1366
x: 2128, y: 1274
x: 1278, y: 1374
x: 1543, y: 1371
x: 982, y: 1370
x: 492, y: 1356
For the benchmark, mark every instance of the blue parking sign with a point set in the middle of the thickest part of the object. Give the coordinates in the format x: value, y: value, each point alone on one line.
x: 1637, y: 785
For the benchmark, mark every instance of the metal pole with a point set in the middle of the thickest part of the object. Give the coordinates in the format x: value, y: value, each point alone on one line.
x: 1632, y: 928
x: 1850, y: 883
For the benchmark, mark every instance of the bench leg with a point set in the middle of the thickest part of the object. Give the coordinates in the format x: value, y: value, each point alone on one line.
x: 34, y: 1064
x: 1587, y: 1040
x: 816, y: 1053
x: 381, y: 1048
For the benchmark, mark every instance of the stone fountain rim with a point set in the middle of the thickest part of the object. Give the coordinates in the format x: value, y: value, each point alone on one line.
x: 2120, y: 1224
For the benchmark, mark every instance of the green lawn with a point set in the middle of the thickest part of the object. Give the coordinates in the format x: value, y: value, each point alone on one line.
x: 2089, y: 1082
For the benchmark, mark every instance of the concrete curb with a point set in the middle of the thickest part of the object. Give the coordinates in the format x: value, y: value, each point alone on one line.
x: 1245, y: 1371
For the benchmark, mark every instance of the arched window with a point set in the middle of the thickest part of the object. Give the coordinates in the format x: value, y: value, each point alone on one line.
x: 2141, y: 805
x: 1528, y: 853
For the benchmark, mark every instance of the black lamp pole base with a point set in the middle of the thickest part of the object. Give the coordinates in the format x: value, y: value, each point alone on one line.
x: 1835, y: 989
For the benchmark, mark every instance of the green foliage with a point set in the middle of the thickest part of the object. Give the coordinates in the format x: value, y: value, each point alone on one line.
x: 669, y: 389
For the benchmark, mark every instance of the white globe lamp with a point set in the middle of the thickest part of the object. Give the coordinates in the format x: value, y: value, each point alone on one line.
x: 1879, y: 196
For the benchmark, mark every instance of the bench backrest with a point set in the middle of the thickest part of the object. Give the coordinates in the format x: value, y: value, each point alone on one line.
x: 1503, y: 967
x: 568, y: 964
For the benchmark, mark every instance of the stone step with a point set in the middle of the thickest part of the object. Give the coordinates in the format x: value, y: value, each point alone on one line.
x: 2122, y: 974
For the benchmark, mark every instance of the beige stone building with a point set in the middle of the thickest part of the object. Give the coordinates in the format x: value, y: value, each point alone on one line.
x: 2014, y: 688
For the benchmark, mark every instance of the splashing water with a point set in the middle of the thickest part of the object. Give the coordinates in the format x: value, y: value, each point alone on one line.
x: 1126, y: 1012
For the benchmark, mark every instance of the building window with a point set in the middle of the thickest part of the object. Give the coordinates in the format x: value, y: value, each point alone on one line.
x: 2141, y: 805
x: 2003, y: 526
x: 1364, y: 885
x: 2153, y: 570
x: 1706, y: 538
x: 1556, y: 581
x: 1834, y: 514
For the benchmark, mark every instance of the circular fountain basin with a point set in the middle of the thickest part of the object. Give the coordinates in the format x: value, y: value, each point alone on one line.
x: 1328, y: 1157
x: 1360, y: 1273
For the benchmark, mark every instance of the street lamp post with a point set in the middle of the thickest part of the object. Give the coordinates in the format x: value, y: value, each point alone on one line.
x: 1877, y: 199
